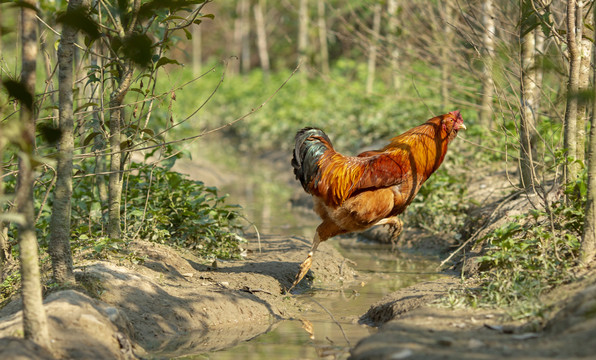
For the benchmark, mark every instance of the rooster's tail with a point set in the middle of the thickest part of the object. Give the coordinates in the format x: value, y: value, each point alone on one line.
x: 311, y: 144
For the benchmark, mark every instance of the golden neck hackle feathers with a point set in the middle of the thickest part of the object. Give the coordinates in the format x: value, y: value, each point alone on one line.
x: 423, y: 146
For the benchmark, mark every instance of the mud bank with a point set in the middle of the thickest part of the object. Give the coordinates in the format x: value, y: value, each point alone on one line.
x: 173, y: 304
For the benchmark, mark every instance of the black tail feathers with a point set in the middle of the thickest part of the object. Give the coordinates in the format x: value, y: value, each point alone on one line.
x: 311, y: 143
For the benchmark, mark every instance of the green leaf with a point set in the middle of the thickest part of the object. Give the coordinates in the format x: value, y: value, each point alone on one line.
x: 85, y: 105
x: 149, y: 132
x: 125, y: 144
x: 188, y: 34
x: 164, y: 61
x: 172, y: 17
x: 90, y: 137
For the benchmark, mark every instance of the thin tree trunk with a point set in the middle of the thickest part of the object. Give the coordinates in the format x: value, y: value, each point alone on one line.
x: 539, y: 46
x: 583, y: 84
x: 588, y: 248
x: 446, y: 49
x: 261, y: 36
x: 237, y: 43
x: 99, y: 141
x: 1, y: 22
x: 372, y: 52
x: 115, y: 137
x: 571, y: 111
x: 488, y: 20
x: 35, y: 324
x: 392, y: 29
x: 527, y: 120
x: 59, y: 249
x: 115, y: 180
x: 5, y: 252
x: 245, y: 35
x: 303, y: 21
x: 197, y: 49
x: 322, y: 23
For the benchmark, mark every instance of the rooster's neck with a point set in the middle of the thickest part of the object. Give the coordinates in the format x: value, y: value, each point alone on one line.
x: 423, y: 147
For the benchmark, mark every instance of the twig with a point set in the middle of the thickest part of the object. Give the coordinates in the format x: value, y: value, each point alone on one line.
x: 146, y: 204
x: 45, y: 197
x: 334, y: 320
x: 503, y: 202
x: 256, y: 230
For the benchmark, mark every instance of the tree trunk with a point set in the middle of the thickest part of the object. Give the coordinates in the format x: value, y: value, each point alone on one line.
x: 59, y: 248
x: 585, y: 67
x: 245, y: 35
x: 392, y: 36
x: 571, y: 111
x: 322, y: 22
x: 527, y: 120
x: 446, y: 49
x: 5, y: 252
x: 1, y: 22
x: 35, y: 323
x: 116, y: 165
x: 261, y: 36
x: 372, y: 52
x: 237, y: 43
x: 588, y: 249
x: 488, y: 20
x: 303, y: 34
x: 99, y: 141
x: 197, y: 49
x: 540, y: 48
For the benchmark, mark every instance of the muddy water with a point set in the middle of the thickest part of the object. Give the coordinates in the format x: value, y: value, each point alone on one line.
x: 328, y: 326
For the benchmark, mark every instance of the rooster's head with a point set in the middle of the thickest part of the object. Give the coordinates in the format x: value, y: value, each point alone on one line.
x: 452, y: 123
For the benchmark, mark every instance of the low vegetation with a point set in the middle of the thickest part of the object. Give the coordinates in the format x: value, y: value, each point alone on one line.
x: 527, y: 256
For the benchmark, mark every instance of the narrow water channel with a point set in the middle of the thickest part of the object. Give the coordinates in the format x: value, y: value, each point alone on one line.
x: 332, y: 314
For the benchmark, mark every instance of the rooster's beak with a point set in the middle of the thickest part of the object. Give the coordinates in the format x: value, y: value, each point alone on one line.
x: 462, y: 127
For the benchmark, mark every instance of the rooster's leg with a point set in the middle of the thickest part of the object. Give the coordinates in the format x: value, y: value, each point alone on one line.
x: 306, y: 264
x: 396, y: 226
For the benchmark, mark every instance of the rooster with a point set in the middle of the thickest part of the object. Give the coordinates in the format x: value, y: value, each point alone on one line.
x: 353, y: 193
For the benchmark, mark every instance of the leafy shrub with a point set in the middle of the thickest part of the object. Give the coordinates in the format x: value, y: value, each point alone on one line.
x: 164, y: 206
x: 158, y: 205
x: 439, y: 206
x: 532, y: 254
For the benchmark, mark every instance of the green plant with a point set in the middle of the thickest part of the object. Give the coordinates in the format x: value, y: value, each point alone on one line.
x: 10, y: 284
x: 439, y: 206
x: 166, y: 207
x: 527, y: 257
x: 160, y: 205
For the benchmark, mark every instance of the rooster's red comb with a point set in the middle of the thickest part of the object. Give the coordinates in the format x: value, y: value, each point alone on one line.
x: 457, y: 115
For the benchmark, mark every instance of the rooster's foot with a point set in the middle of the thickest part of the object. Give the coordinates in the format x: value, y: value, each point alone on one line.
x: 304, y: 267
